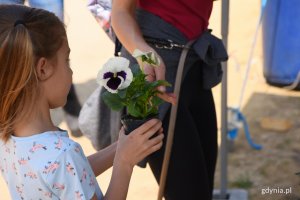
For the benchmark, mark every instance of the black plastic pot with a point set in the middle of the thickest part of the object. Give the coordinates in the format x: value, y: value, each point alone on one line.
x: 131, y: 123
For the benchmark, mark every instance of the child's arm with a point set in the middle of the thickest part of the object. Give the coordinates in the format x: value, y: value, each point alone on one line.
x: 119, y: 183
x: 102, y: 160
x: 131, y: 149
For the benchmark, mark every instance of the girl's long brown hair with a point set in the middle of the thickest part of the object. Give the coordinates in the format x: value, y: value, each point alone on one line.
x: 37, y: 34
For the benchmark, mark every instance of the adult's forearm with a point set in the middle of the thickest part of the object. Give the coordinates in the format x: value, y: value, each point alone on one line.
x: 103, y: 159
x: 126, y: 27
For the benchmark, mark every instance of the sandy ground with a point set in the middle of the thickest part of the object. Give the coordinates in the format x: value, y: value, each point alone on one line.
x: 91, y: 48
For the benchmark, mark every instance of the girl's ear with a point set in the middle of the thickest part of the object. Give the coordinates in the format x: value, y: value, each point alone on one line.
x: 44, y: 69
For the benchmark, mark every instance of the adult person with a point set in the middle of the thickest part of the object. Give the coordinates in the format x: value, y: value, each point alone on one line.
x: 164, y: 27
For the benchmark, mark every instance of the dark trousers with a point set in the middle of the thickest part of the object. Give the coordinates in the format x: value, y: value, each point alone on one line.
x: 193, y: 159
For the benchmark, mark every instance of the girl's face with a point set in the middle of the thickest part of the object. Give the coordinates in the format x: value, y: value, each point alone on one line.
x: 60, y: 82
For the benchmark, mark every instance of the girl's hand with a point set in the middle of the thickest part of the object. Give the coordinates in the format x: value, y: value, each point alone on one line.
x: 132, y: 148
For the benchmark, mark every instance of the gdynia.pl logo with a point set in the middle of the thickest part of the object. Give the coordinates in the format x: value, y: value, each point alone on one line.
x: 277, y: 190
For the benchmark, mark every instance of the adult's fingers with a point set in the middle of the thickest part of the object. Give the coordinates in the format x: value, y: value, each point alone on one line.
x: 168, y: 97
x: 160, y: 75
x: 149, y: 71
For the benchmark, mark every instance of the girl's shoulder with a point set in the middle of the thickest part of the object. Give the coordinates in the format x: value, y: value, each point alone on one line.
x: 41, y: 149
x: 49, y: 163
x: 47, y: 141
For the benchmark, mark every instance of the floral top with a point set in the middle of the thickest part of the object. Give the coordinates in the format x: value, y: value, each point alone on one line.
x: 47, y: 166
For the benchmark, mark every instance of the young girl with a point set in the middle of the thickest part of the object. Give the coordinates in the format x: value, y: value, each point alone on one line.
x: 37, y: 159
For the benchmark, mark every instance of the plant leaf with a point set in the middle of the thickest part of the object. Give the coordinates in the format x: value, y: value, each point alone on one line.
x: 160, y: 83
x: 133, y: 110
x: 112, y: 100
x: 122, y: 93
x: 156, y: 101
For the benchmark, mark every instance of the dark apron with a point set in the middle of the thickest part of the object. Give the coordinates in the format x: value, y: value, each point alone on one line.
x: 207, y: 48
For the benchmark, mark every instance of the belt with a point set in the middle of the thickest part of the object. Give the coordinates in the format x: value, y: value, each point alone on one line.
x: 164, y: 43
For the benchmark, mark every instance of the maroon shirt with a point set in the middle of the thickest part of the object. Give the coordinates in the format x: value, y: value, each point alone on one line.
x: 189, y: 16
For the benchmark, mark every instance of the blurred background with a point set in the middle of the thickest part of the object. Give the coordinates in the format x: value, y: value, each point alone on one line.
x: 272, y: 113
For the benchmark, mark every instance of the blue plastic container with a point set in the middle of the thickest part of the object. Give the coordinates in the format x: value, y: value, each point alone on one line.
x: 281, y: 41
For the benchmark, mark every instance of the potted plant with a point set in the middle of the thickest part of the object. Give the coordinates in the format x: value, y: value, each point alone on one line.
x: 128, y: 88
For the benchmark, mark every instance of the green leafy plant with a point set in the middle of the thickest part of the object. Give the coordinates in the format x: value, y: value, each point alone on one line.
x: 129, y: 88
x: 242, y: 181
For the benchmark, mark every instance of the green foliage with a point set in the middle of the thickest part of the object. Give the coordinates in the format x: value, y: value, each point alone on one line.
x: 147, y: 60
x: 140, y: 97
x: 242, y: 181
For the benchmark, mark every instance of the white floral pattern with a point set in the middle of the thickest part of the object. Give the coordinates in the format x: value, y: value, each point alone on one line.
x: 47, y: 166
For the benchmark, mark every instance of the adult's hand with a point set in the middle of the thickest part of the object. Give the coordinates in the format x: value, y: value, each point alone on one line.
x: 158, y: 73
